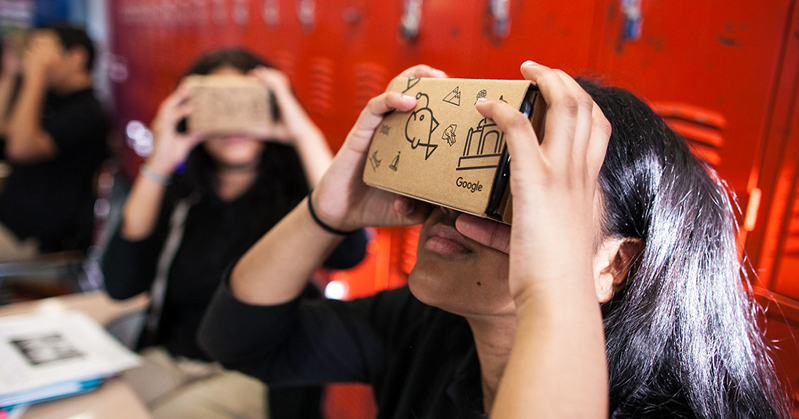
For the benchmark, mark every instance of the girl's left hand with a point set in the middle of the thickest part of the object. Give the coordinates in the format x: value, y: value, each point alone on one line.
x: 553, y: 183
x: 294, y: 124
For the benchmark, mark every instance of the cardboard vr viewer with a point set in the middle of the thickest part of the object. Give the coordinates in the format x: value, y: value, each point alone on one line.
x: 229, y: 105
x: 444, y: 151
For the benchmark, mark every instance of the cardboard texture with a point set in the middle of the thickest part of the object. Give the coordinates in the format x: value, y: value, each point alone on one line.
x: 229, y: 105
x: 443, y: 151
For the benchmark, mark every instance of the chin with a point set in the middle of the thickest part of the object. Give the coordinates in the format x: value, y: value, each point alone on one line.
x: 234, y: 151
x: 457, y: 274
x: 462, y: 288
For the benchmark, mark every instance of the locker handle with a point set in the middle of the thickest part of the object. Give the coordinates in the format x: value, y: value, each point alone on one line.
x: 500, y: 12
x: 220, y: 12
x: 633, y: 20
x: 411, y: 19
x: 241, y: 12
x: 271, y: 13
x: 306, y: 11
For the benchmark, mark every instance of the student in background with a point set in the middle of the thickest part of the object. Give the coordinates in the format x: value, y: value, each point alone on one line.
x: 615, y: 224
x: 181, y: 230
x: 55, y: 140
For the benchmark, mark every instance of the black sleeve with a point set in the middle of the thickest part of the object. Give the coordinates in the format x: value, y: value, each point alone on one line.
x: 350, y: 252
x: 77, y: 127
x: 129, y: 266
x: 301, y: 342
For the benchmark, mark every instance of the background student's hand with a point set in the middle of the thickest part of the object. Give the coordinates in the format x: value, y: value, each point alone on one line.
x: 554, y: 183
x: 42, y: 54
x: 170, y: 147
x: 294, y: 124
x: 341, y: 199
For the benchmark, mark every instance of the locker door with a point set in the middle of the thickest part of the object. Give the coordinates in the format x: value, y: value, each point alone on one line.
x: 557, y: 34
x: 775, y: 241
x: 718, y: 55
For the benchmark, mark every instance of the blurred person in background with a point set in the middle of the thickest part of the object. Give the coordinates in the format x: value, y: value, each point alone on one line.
x: 181, y: 230
x: 55, y: 133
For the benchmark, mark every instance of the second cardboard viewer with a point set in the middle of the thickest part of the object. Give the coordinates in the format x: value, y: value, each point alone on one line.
x: 230, y: 105
x: 444, y: 151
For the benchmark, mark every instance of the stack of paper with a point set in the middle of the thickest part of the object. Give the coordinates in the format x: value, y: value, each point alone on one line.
x: 48, y: 356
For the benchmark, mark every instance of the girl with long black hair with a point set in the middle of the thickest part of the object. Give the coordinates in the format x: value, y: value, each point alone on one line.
x: 616, y: 227
x: 197, y: 205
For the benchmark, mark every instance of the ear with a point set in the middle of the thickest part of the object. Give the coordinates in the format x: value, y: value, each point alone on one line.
x: 78, y: 56
x: 612, y: 263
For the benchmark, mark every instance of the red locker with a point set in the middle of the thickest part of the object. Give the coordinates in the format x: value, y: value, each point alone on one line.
x: 723, y: 73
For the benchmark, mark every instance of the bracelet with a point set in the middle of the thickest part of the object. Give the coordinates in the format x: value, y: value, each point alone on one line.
x: 323, y: 225
x: 154, y: 176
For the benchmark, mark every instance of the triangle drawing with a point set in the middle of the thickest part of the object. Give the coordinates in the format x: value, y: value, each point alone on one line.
x: 454, y: 97
x: 412, y: 81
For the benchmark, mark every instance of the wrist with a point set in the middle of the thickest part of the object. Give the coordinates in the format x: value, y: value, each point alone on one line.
x: 306, y: 135
x: 332, y: 228
x: 161, y: 166
x: 148, y: 173
x: 35, y: 73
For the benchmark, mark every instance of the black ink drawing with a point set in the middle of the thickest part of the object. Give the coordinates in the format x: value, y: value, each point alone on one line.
x: 374, y: 161
x: 449, y: 134
x: 502, y: 98
x: 481, y: 94
x: 412, y: 81
x: 483, y: 147
x: 395, y: 162
x: 454, y: 97
x: 40, y: 350
x: 384, y: 129
x: 420, y: 126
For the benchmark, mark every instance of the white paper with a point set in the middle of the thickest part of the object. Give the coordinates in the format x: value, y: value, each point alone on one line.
x: 38, y: 350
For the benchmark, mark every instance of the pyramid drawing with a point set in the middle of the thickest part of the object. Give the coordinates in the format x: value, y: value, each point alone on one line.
x: 454, y: 97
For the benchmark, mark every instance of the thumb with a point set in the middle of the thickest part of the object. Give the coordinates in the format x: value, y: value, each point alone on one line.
x: 484, y: 231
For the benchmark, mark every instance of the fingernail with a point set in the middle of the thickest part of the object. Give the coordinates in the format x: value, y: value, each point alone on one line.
x: 528, y: 62
x: 439, y: 73
x: 481, y: 100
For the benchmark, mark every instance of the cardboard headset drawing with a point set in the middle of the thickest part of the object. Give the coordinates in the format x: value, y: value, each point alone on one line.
x: 445, y: 152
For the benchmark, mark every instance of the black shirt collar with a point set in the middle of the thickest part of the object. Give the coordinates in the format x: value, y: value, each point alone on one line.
x: 466, y: 391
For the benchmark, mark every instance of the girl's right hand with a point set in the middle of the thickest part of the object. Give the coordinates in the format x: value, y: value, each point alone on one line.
x: 170, y: 147
x: 341, y: 199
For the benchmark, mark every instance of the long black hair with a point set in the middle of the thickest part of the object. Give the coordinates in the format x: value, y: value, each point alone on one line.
x: 682, y: 340
x: 281, y: 183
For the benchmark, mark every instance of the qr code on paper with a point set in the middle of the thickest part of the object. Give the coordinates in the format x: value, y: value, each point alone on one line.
x: 45, y: 349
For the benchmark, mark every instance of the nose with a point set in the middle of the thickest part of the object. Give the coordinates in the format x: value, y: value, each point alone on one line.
x: 450, y: 214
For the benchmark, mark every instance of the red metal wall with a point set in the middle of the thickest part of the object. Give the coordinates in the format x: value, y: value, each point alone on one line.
x: 728, y: 68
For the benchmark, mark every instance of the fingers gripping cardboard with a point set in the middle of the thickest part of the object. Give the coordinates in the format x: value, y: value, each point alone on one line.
x: 229, y: 105
x: 444, y: 151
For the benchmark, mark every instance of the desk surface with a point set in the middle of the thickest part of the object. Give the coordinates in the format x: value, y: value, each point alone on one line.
x: 114, y: 399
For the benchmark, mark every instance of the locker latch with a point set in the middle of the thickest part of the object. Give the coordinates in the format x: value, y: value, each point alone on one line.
x: 633, y: 20
x: 411, y: 19
x: 500, y: 12
x: 272, y: 13
x: 306, y: 11
x: 220, y: 14
x: 241, y: 12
